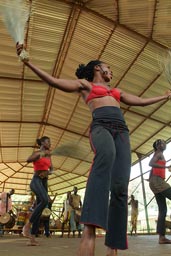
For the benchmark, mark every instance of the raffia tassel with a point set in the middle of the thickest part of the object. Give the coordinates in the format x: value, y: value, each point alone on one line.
x: 24, y: 56
x: 164, y: 60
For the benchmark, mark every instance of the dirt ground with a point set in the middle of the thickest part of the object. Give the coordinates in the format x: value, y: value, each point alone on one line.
x: 11, y: 245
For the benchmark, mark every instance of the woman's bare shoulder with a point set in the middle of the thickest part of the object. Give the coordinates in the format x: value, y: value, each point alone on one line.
x: 86, y: 85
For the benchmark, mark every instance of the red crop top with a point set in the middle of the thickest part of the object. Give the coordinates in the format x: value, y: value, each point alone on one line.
x: 99, y: 91
x: 42, y: 164
x: 159, y: 171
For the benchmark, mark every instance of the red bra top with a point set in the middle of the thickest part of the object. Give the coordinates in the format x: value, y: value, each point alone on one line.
x: 42, y: 164
x: 159, y: 171
x: 99, y: 91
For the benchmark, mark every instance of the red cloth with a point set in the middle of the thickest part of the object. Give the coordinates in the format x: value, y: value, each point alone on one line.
x: 42, y: 164
x: 99, y: 91
x: 159, y: 171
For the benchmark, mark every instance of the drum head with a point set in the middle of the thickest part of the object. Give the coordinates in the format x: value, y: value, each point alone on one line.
x: 46, y: 212
x: 11, y: 223
x: 5, y: 218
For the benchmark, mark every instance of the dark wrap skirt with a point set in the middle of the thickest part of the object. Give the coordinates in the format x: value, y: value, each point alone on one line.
x: 105, y: 203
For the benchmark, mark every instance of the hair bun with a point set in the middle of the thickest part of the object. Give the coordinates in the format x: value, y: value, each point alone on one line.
x: 38, y: 142
x: 156, y: 143
x: 80, y: 72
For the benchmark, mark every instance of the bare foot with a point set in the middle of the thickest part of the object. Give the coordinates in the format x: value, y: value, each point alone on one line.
x: 31, y: 243
x: 111, y: 252
x: 164, y: 240
x: 87, y: 244
x: 26, y: 230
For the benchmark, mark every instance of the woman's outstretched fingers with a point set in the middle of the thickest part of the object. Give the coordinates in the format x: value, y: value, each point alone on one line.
x: 19, y: 48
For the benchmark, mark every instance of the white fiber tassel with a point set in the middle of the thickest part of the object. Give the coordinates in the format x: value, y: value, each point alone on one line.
x: 165, y: 64
x: 15, y: 14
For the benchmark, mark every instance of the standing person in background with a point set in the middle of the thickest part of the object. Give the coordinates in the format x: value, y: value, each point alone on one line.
x: 134, y: 214
x: 41, y: 160
x: 109, y: 138
x: 160, y: 187
x: 66, y: 211
x: 76, y: 204
x: 6, y: 202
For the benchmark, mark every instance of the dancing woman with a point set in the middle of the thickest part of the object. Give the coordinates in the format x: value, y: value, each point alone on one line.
x: 42, y: 168
x: 160, y: 187
x: 109, y: 138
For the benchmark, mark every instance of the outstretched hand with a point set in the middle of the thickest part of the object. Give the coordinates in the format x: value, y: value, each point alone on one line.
x: 19, y: 48
x: 168, y: 94
x: 21, y: 52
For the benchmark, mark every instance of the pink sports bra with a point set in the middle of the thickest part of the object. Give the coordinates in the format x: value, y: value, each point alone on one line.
x: 99, y: 91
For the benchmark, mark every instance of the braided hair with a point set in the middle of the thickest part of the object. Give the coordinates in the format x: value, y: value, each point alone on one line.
x: 41, y: 140
x: 156, y: 144
x: 87, y: 71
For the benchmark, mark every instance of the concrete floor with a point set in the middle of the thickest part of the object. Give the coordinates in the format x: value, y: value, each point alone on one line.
x: 141, y: 245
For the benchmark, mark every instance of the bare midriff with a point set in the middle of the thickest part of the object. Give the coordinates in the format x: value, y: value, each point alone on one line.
x: 106, y: 101
x: 42, y: 174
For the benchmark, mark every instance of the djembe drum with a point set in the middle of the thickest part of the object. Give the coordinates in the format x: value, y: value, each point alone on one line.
x: 77, y: 215
x: 8, y: 220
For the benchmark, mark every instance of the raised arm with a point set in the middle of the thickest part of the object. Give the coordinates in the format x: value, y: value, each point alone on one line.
x: 155, y: 158
x: 35, y: 156
x: 61, y: 84
x: 38, y: 154
x: 133, y: 100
